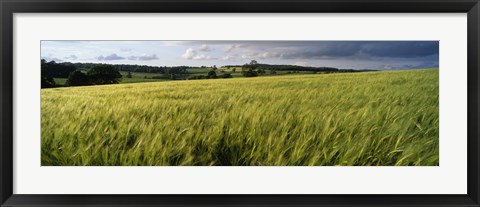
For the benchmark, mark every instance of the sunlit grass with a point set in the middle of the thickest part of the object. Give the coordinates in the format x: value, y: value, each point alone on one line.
x: 374, y: 118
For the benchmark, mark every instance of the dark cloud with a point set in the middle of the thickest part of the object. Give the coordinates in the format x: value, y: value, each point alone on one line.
x: 315, y: 49
x: 400, y: 49
x: 355, y: 49
x: 406, y: 66
x: 110, y: 57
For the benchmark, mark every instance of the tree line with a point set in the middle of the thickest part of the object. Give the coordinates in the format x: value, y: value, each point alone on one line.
x: 83, y: 74
x: 140, y: 68
x: 264, y: 67
x: 254, y: 69
x: 98, y: 74
x: 80, y: 74
x: 212, y: 74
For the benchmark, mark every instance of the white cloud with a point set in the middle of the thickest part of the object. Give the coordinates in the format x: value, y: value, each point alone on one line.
x: 202, y: 57
x: 264, y: 55
x: 192, y: 54
x: 144, y: 57
x: 148, y: 57
x: 189, y: 54
x: 71, y: 57
x: 235, y: 46
x: 110, y: 57
x: 251, y: 55
x: 229, y: 57
x: 205, y: 48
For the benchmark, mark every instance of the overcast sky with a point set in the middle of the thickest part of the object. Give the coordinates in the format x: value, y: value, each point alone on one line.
x: 383, y: 55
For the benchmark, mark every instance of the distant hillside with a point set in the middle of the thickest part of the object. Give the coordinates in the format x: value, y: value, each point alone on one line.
x: 62, y: 70
x: 290, y: 68
x: 139, y: 68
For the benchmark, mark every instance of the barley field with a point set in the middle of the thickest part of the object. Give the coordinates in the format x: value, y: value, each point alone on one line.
x: 388, y: 118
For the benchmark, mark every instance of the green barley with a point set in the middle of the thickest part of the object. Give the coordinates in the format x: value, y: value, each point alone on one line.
x: 354, y: 119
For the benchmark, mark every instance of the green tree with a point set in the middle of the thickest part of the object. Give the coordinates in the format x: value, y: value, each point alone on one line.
x: 47, y: 81
x: 212, y: 74
x: 249, y: 70
x: 129, y: 75
x: 78, y: 78
x: 104, y: 74
x: 260, y: 71
x: 56, y: 70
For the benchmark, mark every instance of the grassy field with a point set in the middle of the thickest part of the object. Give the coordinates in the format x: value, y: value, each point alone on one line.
x: 140, y: 77
x: 136, y: 78
x: 367, y: 119
x: 147, y: 77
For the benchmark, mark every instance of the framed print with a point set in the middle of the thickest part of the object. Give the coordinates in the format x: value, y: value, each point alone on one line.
x: 237, y: 103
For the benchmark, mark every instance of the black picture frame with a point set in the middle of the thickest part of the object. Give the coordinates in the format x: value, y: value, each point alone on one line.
x: 9, y: 7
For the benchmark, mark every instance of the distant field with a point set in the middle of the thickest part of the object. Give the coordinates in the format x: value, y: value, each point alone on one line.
x: 204, y: 71
x: 147, y: 77
x: 366, y: 119
x: 141, y: 77
x: 60, y: 81
x: 136, y: 78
